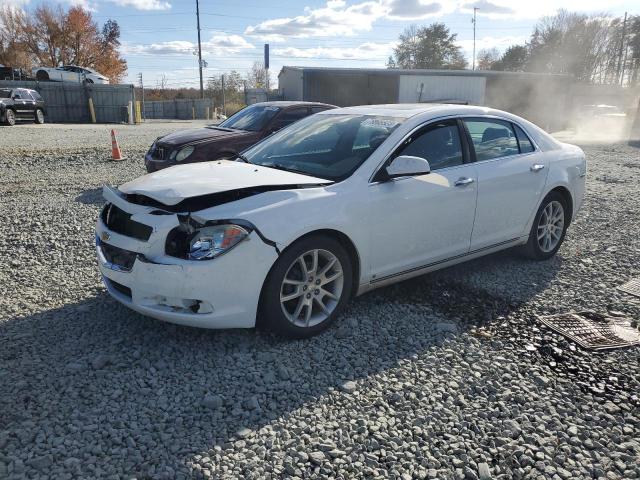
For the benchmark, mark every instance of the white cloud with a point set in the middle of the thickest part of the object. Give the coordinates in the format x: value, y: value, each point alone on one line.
x: 14, y: 3
x: 334, y: 19
x: 416, y: 9
x: 338, y: 18
x: 85, y: 4
x: 144, y: 4
x: 365, y: 51
x: 498, y: 9
x: 219, y: 44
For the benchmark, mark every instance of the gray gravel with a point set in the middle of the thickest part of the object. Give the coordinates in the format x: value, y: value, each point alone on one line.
x: 445, y: 376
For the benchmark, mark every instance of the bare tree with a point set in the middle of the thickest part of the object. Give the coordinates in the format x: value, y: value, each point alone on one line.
x: 257, y: 76
x: 487, y: 58
x: 12, y: 49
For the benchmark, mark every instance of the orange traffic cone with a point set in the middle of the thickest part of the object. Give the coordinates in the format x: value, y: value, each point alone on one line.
x: 116, y: 154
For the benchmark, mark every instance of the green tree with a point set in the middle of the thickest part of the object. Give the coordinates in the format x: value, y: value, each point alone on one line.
x: 427, y: 47
x: 514, y: 59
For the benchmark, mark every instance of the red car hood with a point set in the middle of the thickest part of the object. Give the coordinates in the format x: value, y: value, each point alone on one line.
x: 201, y: 134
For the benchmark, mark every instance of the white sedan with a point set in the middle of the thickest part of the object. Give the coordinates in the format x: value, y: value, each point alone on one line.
x: 69, y: 73
x: 333, y: 206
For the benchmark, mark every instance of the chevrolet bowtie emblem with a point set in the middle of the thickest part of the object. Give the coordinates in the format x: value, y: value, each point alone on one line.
x: 104, y: 236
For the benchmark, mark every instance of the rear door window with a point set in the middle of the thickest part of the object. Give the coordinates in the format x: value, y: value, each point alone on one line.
x: 523, y: 141
x: 492, y: 138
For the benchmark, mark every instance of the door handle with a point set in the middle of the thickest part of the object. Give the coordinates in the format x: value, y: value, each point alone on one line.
x: 462, y: 181
x: 536, y: 167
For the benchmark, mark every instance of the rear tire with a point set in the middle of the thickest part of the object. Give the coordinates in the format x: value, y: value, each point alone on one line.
x: 299, y: 303
x: 10, y: 118
x: 39, y: 116
x: 549, y: 228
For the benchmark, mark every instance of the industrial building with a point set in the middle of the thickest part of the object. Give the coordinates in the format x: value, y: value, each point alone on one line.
x: 543, y: 99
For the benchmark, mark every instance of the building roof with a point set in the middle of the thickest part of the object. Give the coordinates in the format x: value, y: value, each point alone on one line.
x: 399, y: 71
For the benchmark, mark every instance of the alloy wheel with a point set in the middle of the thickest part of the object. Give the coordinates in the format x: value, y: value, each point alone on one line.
x: 40, y: 116
x: 550, y: 226
x: 311, y: 288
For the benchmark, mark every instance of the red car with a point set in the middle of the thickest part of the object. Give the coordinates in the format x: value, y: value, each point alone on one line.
x: 227, y: 140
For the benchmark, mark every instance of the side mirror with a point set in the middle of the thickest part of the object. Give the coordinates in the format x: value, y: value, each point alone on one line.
x: 407, y: 166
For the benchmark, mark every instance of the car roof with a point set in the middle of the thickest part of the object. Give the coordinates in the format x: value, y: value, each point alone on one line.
x: 407, y: 110
x: 292, y: 103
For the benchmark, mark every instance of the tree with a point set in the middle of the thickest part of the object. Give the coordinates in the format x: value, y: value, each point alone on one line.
x: 12, y: 50
x: 427, y: 47
x: 233, y: 88
x: 257, y: 76
x: 487, y: 58
x: 51, y: 36
x: 575, y: 44
x: 514, y: 59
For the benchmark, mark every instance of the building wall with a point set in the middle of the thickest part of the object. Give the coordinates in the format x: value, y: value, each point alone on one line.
x: 350, y: 88
x: 290, y: 83
x: 428, y: 88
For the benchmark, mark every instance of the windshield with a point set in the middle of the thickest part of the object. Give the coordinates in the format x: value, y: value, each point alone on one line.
x: 330, y: 146
x: 5, y: 93
x: 252, y: 118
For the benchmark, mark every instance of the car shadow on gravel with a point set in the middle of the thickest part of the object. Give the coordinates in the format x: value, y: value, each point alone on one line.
x: 103, y: 377
x: 91, y: 196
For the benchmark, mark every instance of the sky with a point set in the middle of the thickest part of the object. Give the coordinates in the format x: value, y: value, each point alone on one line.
x: 159, y: 37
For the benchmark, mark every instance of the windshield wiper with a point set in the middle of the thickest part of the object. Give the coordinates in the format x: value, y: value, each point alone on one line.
x: 243, y: 158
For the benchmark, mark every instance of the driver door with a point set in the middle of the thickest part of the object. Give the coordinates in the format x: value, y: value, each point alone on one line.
x: 420, y: 221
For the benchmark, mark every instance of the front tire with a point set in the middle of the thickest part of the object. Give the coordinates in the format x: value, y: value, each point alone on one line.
x: 307, y: 288
x: 42, y: 76
x: 10, y: 118
x: 39, y: 116
x: 549, y: 228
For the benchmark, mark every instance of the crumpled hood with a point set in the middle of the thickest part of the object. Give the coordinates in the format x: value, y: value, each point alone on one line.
x: 172, y: 185
x: 183, y: 137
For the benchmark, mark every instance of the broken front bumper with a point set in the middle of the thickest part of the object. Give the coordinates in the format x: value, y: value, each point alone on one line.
x: 218, y: 293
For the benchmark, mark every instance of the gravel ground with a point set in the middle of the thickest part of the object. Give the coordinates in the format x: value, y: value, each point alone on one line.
x: 444, y: 376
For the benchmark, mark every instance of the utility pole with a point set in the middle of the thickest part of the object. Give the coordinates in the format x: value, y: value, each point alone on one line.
x: 224, y: 109
x: 475, y: 9
x: 142, y: 88
x: 199, y: 49
x: 620, y: 77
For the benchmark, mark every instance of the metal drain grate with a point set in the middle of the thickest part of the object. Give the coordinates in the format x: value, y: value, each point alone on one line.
x: 632, y: 287
x: 593, y: 331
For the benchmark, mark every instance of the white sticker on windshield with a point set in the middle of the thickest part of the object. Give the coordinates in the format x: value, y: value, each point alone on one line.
x: 380, y: 122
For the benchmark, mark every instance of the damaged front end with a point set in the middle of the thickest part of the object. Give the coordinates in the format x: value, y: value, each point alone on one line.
x: 174, y: 267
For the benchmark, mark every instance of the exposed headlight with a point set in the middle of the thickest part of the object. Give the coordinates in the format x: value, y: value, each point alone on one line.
x: 211, y: 242
x: 184, y: 153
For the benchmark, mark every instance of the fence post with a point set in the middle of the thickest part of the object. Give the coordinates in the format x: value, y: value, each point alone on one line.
x: 92, y: 111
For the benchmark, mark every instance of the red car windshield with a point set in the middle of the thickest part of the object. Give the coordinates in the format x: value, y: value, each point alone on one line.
x: 252, y: 118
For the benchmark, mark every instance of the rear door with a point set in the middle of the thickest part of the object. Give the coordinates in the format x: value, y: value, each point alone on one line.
x: 22, y: 107
x: 29, y: 103
x: 511, y: 177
